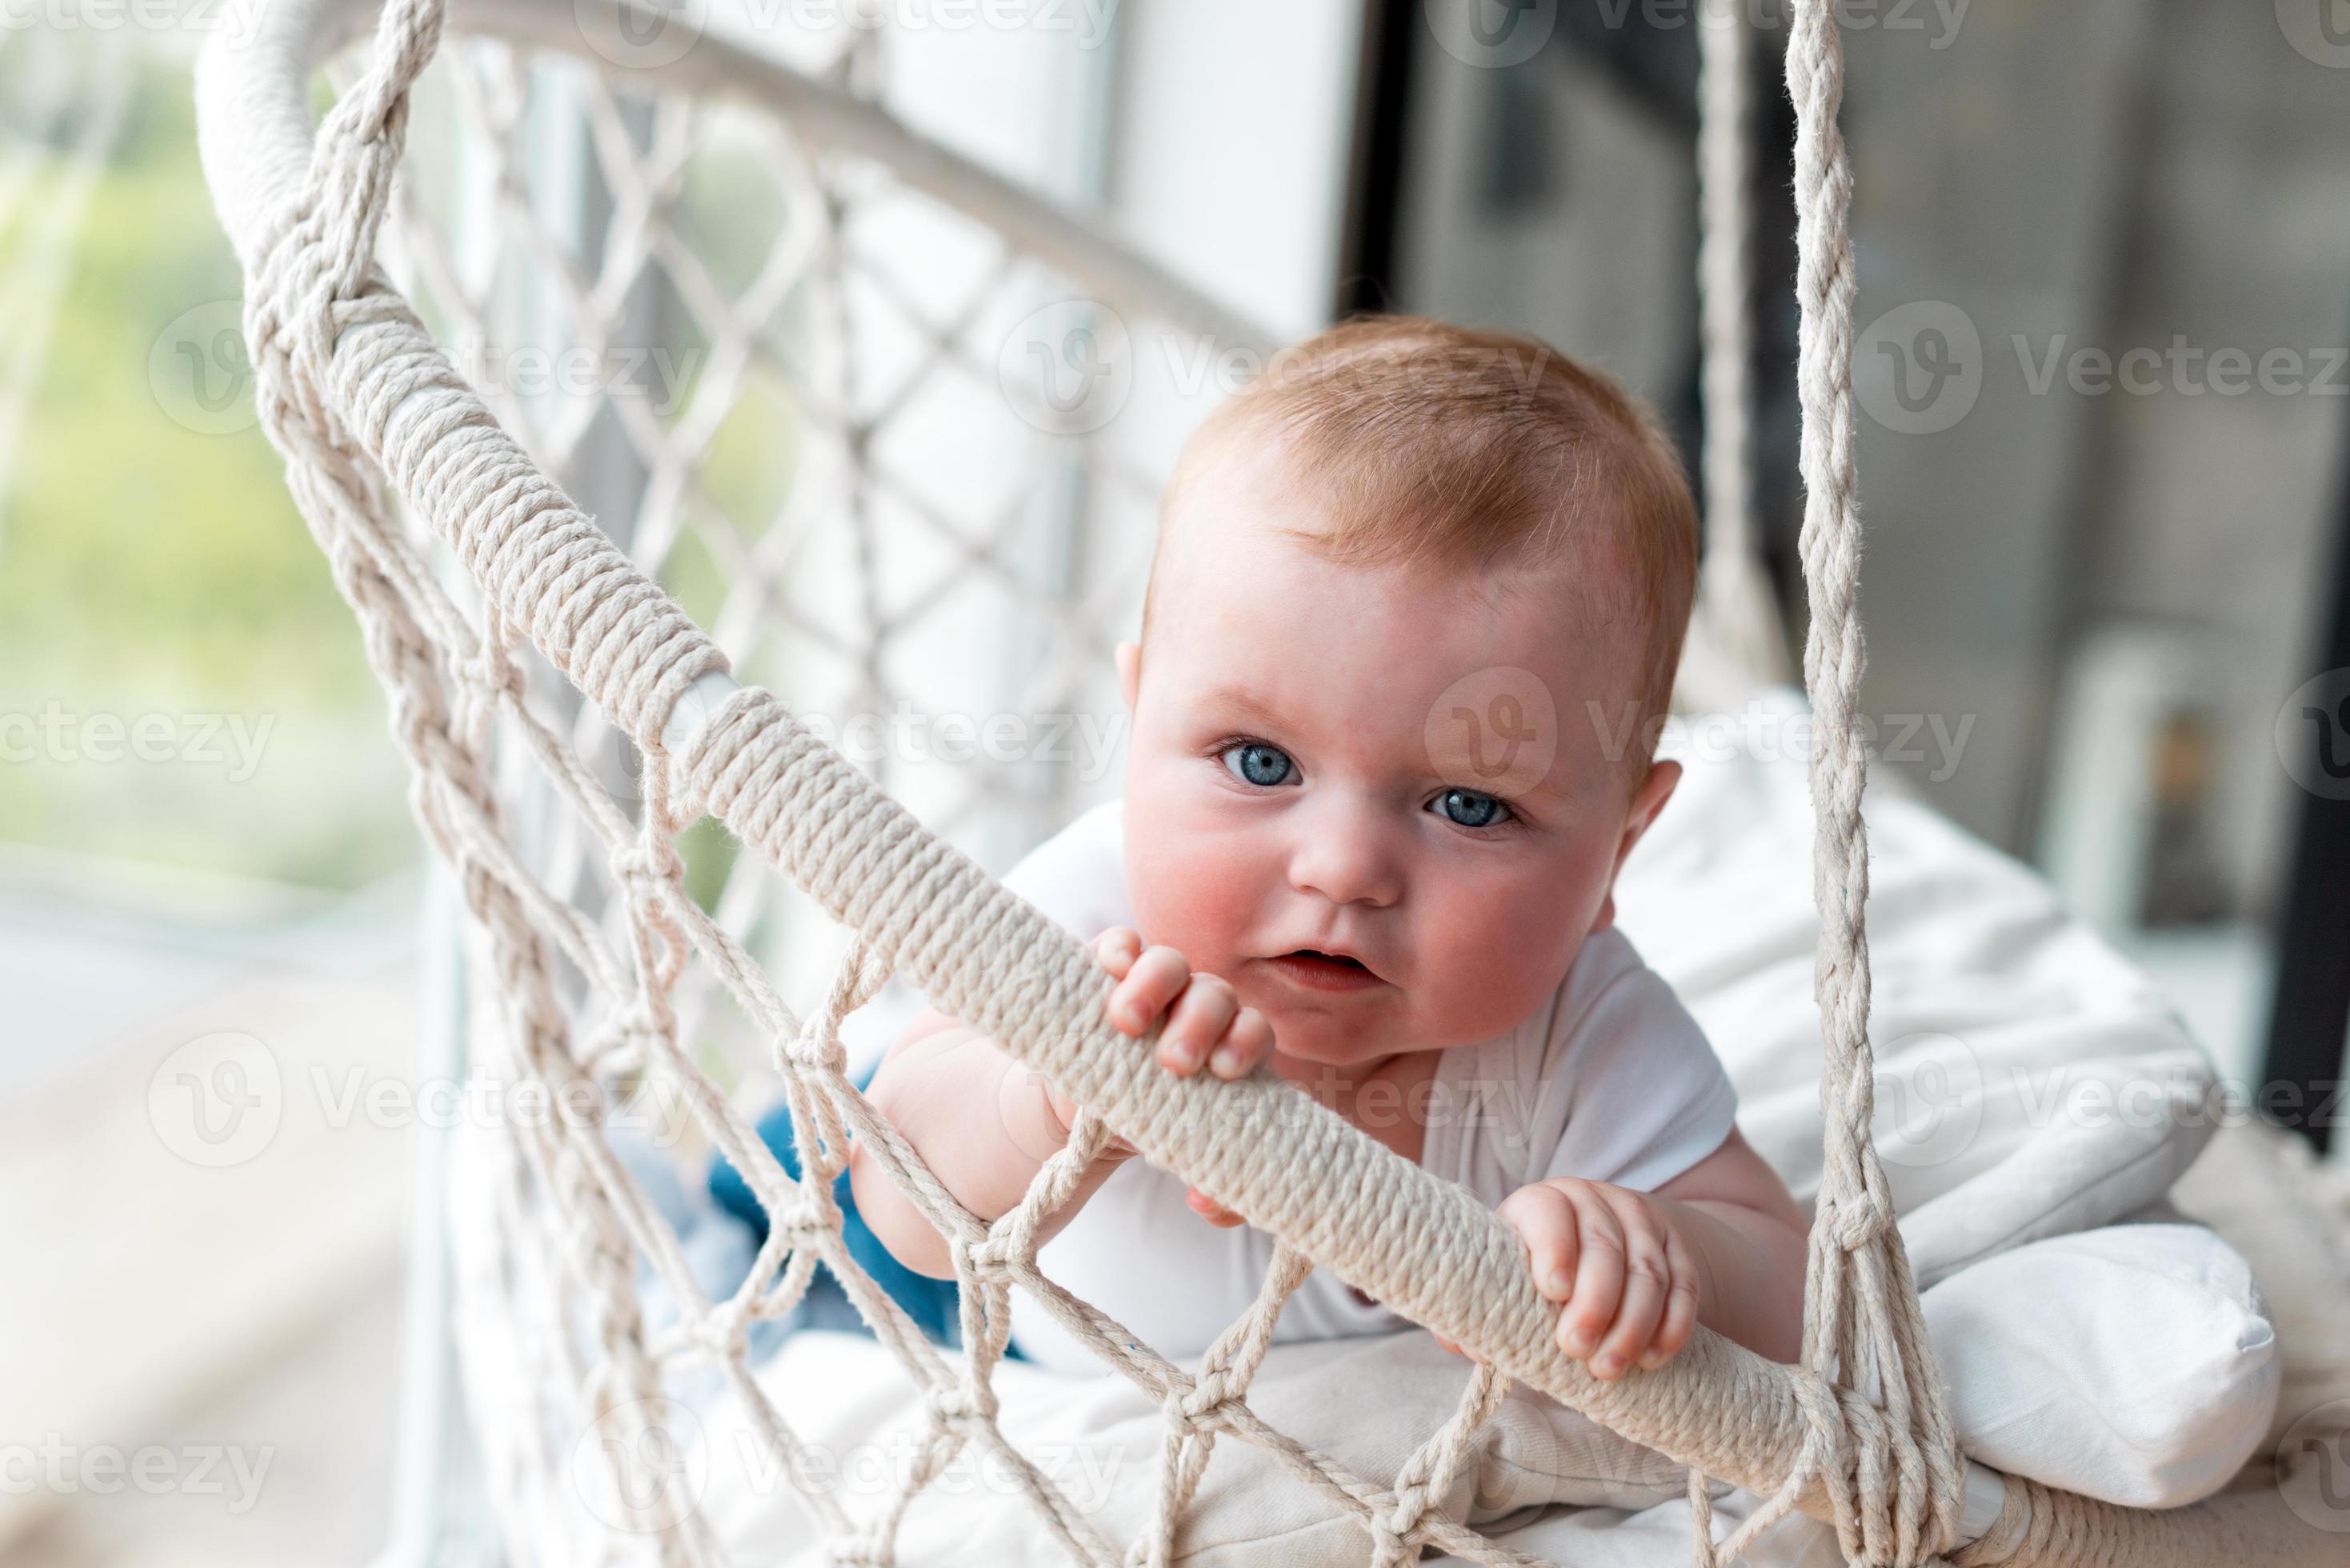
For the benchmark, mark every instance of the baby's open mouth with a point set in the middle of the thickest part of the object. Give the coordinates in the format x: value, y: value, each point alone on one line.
x: 1319, y: 971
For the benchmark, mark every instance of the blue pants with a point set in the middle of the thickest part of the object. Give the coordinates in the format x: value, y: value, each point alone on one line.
x: 931, y: 1303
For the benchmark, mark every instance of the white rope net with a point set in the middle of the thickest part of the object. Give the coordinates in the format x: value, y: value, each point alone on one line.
x: 829, y: 493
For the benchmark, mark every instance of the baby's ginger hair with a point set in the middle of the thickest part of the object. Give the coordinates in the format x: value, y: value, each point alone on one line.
x: 1435, y: 445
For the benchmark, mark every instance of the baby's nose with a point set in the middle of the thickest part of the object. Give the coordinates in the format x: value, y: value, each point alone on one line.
x: 1347, y: 864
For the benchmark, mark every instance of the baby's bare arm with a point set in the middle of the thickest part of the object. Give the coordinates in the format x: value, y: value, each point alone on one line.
x: 985, y: 1125
x: 982, y: 1123
x: 1754, y: 1241
x: 1636, y: 1272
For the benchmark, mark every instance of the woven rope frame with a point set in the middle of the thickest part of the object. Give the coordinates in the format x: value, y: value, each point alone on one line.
x: 366, y: 408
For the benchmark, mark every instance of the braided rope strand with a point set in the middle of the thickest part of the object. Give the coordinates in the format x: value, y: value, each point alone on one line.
x: 1861, y: 1308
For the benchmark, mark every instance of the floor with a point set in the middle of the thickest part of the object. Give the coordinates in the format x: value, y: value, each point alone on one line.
x: 318, y: 1411
x: 201, y: 1355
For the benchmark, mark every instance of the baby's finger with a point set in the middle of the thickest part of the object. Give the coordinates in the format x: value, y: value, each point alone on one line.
x: 1543, y: 1218
x: 1156, y: 977
x: 1213, y: 1212
x: 1680, y: 1307
x: 1599, y: 1280
x: 1647, y: 1279
x: 1245, y: 1047
x: 1116, y: 949
x: 1196, y: 1022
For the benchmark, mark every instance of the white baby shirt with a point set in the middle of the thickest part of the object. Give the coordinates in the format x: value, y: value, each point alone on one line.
x: 1610, y: 1080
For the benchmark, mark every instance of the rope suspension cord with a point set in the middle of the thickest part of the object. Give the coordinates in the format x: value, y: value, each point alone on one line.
x: 1736, y: 611
x: 1862, y: 1318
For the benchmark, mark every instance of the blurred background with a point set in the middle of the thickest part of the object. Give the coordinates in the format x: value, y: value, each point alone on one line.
x: 2104, y: 408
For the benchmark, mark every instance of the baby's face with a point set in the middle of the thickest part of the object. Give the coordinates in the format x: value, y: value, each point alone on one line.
x: 1356, y: 762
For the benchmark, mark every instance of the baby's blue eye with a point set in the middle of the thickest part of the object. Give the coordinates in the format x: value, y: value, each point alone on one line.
x: 1253, y: 762
x: 1467, y: 808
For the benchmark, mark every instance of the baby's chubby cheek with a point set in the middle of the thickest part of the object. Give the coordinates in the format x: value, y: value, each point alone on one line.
x: 1195, y: 893
x: 1483, y: 960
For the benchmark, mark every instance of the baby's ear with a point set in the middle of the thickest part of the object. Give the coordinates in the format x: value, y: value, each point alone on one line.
x: 1646, y: 802
x: 1129, y: 672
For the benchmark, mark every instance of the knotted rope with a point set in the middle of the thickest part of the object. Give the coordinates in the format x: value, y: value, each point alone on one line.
x: 317, y: 307
x: 1897, y: 1494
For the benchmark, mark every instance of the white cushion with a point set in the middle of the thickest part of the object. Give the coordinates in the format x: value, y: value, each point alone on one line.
x: 1366, y: 1403
x: 1990, y: 1004
x: 2134, y: 1363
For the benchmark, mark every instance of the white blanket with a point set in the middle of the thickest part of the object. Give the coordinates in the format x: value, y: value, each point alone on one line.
x: 2032, y: 1085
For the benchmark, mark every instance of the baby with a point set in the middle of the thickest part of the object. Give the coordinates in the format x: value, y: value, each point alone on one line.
x: 1418, y: 595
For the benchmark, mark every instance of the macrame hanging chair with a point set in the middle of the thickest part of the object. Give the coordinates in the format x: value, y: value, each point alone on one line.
x: 581, y: 954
